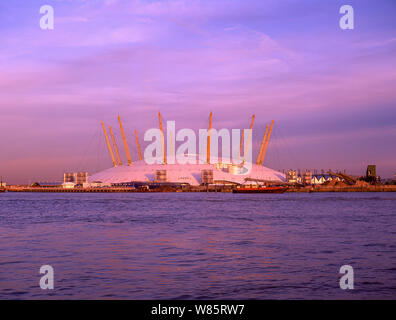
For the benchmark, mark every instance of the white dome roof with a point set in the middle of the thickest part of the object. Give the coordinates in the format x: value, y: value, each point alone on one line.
x: 140, y: 171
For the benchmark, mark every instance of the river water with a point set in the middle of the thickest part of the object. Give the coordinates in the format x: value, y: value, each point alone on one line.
x: 197, y: 245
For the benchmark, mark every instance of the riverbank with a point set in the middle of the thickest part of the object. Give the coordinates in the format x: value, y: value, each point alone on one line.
x: 122, y: 189
x: 370, y: 188
x: 226, y: 189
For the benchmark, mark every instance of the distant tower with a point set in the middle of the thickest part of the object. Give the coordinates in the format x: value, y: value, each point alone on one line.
x: 371, y: 173
x: 68, y: 177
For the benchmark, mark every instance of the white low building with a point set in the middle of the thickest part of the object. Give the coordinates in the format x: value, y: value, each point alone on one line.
x: 68, y: 185
x: 96, y: 184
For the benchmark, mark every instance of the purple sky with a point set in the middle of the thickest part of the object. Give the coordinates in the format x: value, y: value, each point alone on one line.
x: 331, y: 92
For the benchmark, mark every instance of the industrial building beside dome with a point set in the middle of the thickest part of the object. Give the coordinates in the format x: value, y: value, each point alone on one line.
x: 206, y: 171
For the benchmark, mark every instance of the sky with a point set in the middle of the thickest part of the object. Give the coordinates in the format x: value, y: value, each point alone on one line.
x: 330, y: 91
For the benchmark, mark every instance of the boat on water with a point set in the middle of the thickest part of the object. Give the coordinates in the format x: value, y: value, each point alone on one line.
x: 261, y: 189
x: 2, y: 189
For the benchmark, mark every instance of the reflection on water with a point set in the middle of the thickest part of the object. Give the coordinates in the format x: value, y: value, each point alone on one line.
x: 197, y: 245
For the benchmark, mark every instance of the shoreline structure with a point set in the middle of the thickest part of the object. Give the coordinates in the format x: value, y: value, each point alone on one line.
x: 223, y: 189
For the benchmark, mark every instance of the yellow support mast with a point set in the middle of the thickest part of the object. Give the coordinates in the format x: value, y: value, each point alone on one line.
x: 109, y: 146
x: 241, y: 144
x: 208, y: 143
x: 262, y: 145
x: 266, y: 143
x: 171, y: 142
x: 125, y: 143
x: 242, y: 136
x: 249, y: 137
x: 138, y: 146
x: 162, y: 137
x: 115, y: 147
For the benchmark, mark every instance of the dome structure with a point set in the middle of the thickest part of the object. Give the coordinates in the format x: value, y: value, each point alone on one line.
x: 190, y: 174
x: 200, y: 169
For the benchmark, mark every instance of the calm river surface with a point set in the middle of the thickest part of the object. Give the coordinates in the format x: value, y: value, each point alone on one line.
x: 198, y: 245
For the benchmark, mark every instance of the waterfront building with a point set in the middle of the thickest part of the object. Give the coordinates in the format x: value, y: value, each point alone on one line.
x: 206, y: 170
x: 96, y: 184
x: 75, y: 177
x: 68, y: 185
x: 291, y: 176
x: 306, y: 177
